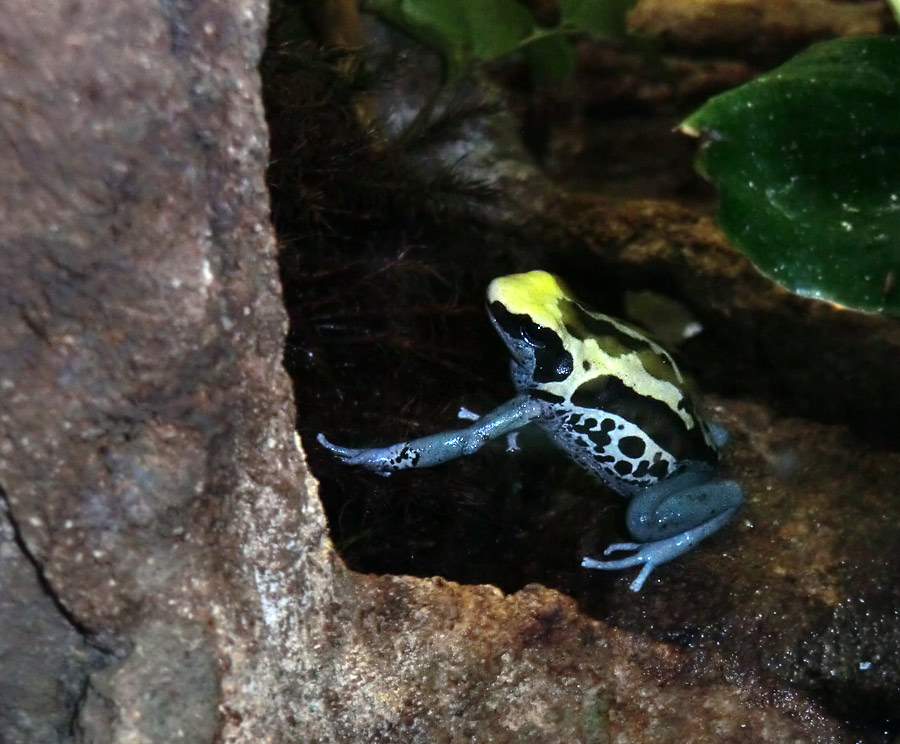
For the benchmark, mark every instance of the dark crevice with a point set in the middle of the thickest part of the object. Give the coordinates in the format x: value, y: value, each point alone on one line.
x: 39, y: 574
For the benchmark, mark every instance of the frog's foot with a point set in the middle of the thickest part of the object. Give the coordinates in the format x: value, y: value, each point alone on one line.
x: 376, y: 459
x: 347, y: 454
x: 651, y: 554
x: 640, y: 557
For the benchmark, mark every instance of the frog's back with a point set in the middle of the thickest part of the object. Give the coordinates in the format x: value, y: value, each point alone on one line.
x: 624, y: 412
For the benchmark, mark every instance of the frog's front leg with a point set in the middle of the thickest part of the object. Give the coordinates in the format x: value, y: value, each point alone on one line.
x: 672, y: 516
x: 437, y: 448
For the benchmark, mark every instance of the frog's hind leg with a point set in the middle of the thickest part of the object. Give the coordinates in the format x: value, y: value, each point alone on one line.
x: 671, y: 517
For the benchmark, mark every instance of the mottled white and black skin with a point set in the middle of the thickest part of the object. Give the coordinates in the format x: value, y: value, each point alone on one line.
x: 612, y: 399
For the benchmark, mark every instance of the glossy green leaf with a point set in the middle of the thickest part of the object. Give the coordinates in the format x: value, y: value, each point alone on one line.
x: 445, y: 19
x: 807, y: 162
x: 462, y: 31
x: 551, y: 56
x: 495, y: 27
x: 435, y: 23
x: 472, y: 31
x: 597, y: 17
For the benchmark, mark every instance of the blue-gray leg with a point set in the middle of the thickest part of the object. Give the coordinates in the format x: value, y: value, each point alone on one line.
x: 670, y: 517
x: 437, y: 448
x: 719, y: 435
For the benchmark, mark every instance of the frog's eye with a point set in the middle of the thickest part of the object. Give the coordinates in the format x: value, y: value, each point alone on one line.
x: 552, y: 362
x: 531, y: 335
x: 506, y: 321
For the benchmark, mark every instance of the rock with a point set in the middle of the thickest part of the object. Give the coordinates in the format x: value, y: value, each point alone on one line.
x: 44, y: 659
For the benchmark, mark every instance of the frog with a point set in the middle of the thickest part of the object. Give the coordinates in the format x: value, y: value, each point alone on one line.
x: 613, y: 400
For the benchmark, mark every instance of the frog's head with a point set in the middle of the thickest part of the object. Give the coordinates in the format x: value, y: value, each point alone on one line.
x: 527, y: 310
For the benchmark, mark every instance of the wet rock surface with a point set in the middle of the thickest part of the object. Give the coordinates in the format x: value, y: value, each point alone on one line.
x: 805, y: 587
x: 529, y: 668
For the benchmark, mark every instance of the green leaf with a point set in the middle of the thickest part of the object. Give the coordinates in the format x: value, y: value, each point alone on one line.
x: 551, y: 57
x: 437, y: 24
x: 495, y: 27
x: 462, y: 31
x: 596, y: 17
x: 807, y: 162
x: 440, y: 18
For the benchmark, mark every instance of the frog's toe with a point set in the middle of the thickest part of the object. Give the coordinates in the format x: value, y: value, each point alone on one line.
x: 646, y: 555
x: 467, y: 414
x: 345, y: 453
x: 621, y: 546
x: 633, y: 560
x: 377, y: 459
x: 638, y: 559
